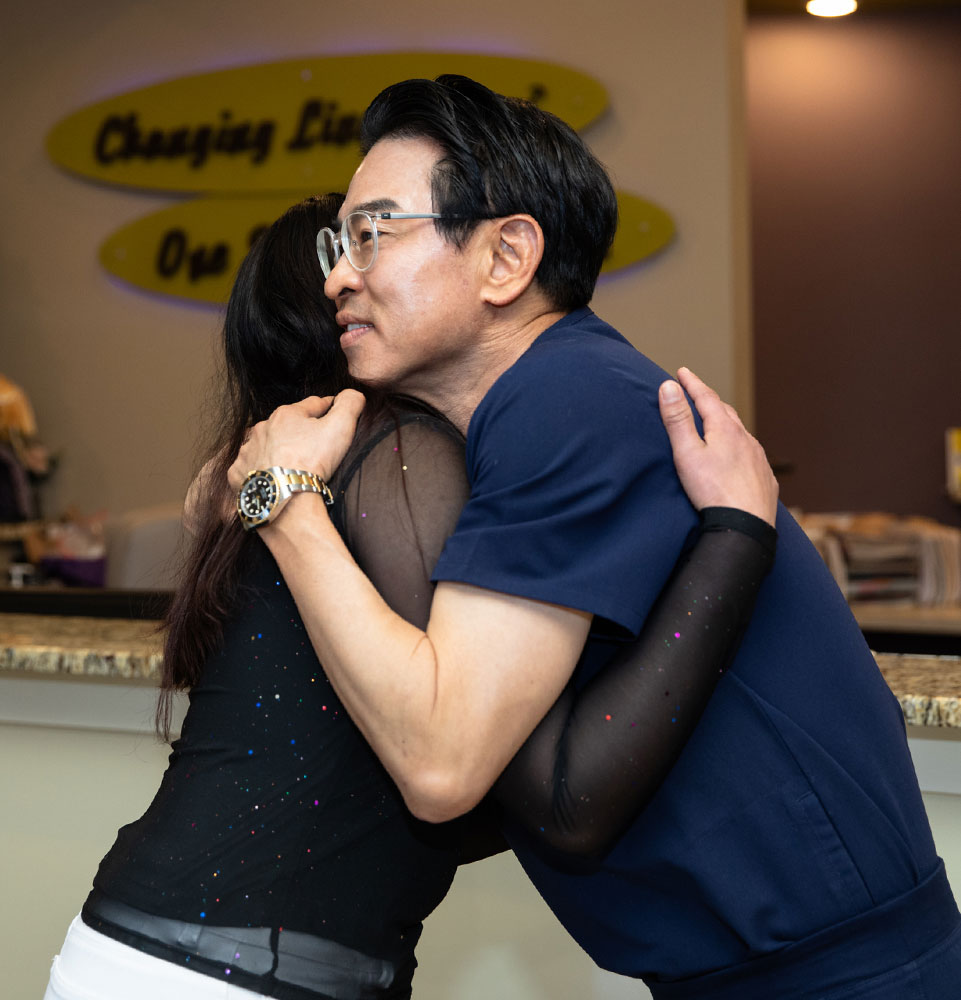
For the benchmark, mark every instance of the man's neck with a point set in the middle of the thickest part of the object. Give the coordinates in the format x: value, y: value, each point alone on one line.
x: 458, y: 393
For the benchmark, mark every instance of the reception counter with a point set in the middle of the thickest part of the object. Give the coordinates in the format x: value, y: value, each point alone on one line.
x: 129, y: 651
x: 77, y: 700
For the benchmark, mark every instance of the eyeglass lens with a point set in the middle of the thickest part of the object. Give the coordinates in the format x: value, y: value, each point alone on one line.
x: 328, y: 250
x: 357, y: 238
x: 360, y: 231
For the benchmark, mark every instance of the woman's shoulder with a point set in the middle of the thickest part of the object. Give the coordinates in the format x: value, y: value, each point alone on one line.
x: 412, y: 432
x: 398, y: 425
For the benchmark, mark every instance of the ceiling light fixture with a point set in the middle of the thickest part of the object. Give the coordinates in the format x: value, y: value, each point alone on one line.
x: 831, y: 8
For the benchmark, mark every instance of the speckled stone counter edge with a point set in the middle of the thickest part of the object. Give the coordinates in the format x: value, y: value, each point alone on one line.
x: 927, y: 687
x: 53, y: 661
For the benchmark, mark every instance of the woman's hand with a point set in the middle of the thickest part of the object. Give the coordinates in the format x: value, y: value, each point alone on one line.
x: 725, y: 468
x: 312, y: 435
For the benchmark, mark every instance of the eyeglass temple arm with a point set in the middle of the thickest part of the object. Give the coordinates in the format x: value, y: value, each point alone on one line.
x: 408, y: 215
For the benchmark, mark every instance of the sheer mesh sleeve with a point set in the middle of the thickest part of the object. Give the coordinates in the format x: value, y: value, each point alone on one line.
x: 600, y: 754
x: 399, y: 507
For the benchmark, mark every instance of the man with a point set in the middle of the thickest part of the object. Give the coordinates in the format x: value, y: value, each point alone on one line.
x: 787, y: 853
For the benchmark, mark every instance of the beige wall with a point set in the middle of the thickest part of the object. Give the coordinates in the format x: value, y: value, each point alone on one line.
x: 117, y: 377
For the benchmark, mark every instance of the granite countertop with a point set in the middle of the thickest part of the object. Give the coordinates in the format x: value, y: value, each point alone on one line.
x: 62, y: 646
x: 928, y: 687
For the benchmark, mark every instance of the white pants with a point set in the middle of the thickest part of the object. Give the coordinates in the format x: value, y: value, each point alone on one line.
x: 91, y: 966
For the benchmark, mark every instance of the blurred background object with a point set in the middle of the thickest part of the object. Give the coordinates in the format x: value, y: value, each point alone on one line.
x: 880, y: 556
x: 24, y: 459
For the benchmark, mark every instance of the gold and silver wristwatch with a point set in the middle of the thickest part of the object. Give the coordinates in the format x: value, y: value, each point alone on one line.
x: 266, y: 491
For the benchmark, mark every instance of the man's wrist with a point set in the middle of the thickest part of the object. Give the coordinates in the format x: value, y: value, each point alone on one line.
x: 303, y: 526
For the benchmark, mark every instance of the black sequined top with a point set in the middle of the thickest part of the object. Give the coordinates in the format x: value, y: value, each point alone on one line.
x: 277, y: 853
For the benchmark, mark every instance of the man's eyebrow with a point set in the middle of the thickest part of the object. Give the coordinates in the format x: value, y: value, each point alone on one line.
x: 377, y: 205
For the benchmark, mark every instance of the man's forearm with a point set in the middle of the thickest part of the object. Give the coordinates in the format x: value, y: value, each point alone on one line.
x: 446, y: 708
x: 393, y: 682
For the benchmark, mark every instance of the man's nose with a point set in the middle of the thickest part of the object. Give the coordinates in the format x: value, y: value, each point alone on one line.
x: 343, y: 278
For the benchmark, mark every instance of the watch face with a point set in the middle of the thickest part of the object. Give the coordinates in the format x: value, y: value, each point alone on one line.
x: 258, y: 496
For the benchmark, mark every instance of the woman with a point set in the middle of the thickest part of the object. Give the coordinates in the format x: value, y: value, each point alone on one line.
x: 277, y: 858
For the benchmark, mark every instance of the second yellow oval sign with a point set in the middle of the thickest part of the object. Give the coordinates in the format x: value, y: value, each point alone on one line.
x: 191, y: 250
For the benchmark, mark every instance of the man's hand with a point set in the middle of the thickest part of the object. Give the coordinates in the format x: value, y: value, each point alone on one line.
x: 725, y: 468
x: 312, y: 435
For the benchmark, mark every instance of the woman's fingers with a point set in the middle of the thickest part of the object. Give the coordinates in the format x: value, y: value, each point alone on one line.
x: 725, y: 468
x: 677, y: 416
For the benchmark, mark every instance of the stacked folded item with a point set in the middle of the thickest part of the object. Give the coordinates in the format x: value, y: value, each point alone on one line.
x: 886, y: 557
x: 940, y: 570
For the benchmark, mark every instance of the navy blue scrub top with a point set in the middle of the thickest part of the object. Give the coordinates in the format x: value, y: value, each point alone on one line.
x: 795, y: 806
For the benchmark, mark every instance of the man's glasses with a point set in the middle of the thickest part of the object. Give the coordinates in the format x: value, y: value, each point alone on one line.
x: 358, y: 239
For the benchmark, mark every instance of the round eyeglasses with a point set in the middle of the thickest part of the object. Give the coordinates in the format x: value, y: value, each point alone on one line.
x: 358, y: 239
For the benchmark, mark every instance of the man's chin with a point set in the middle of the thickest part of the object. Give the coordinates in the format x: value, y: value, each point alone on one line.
x: 380, y: 377
x: 371, y: 381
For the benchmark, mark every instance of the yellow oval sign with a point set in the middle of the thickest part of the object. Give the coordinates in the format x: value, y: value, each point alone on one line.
x: 192, y: 249
x: 643, y: 229
x: 284, y: 126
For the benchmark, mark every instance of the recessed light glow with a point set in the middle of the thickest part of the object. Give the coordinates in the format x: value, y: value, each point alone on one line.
x: 831, y: 8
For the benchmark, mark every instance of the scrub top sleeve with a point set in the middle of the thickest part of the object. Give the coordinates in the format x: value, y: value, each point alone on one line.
x: 574, y: 497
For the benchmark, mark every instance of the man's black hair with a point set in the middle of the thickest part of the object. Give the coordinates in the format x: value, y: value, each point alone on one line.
x: 501, y: 156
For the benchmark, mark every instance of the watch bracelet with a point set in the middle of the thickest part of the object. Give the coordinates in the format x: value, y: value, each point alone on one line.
x: 309, y: 482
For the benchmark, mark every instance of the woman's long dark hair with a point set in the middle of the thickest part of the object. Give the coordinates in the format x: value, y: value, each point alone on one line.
x: 280, y: 344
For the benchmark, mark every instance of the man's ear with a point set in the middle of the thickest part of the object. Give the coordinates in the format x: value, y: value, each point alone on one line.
x: 517, y: 246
